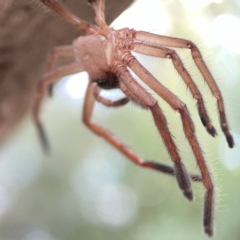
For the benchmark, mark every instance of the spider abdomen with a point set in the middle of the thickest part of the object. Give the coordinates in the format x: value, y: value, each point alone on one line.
x: 109, y: 81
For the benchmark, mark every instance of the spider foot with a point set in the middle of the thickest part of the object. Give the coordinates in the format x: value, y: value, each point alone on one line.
x: 184, y: 180
x: 211, y: 130
x: 230, y: 140
x: 159, y: 167
x: 169, y: 170
x: 50, y: 90
x: 206, y: 121
x: 208, y: 230
x: 43, y: 138
x: 208, y: 213
x: 225, y: 129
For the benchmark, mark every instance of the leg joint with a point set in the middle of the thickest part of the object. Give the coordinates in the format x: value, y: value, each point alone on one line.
x: 183, y: 108
x: 171, y: 54
x: 86, y: 120
x: 153, y: 104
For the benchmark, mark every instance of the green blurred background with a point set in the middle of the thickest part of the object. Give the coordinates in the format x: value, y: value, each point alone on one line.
x: 86, y: 189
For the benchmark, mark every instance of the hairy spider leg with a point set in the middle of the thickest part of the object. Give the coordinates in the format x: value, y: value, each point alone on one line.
x: 99, y: 7
x: 197, y: 57
x: 188, y: 127
x: 108, y: 136
x: 108, y: 102
x: 161, y: 52
x: 140, y: 96
x: 47, y: 80
x: 75, y: 21
x: 54, y: 55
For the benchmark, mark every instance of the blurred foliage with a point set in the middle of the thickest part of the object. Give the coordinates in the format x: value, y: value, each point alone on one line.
x: 85, y: 189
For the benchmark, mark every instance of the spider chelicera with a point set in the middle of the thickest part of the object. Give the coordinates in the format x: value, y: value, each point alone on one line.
x: 106, y: 54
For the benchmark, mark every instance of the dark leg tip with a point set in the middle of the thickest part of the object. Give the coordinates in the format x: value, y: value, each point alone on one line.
x: 50, y: 90
x: 188, y: 194
x: 208, y: 212
x: 184, y: 180
x: 230, y: 140
x: 196, y: 178
x: 209, y: 230
x: 43, y: 138
x: 211, y: 130
x: 205, y: 119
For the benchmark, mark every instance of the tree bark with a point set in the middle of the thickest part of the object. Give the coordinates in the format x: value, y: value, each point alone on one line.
x: 28, y: 31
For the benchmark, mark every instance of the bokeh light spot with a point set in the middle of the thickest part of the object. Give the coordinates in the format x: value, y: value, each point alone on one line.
x: 225, y: 29
x: 38, y: 235
x: 76, y: 85
x: 97, y: 172
x: 197, y: 3
x: 116, y: 205
x: 20, y: 164
x: 4, y: 200
x: 158, y: 21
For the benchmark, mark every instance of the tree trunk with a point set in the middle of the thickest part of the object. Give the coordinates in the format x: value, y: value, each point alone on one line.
x: 28, y: 31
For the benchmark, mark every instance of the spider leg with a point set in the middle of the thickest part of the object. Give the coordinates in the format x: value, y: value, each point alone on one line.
x: 140, y: 96
x: 99, y: 7
x: 54, y: 55
x: 188, y: 128
x: 161, y: 52
x: 108, y: 102
x: 46, y: 80
x: 108, y: 136
x: 71, y: 18
x: 197, y: 57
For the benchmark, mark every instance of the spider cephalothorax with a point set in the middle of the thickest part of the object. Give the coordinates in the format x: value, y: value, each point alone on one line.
x: 106, y: 55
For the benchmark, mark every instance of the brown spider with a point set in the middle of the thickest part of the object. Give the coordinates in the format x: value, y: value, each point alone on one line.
x: 105, y: 54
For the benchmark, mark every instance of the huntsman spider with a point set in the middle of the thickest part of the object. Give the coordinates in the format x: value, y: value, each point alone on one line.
x: 106, y: 55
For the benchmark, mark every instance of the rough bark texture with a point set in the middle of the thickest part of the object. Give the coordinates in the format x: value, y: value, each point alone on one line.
x: 28, y: 31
